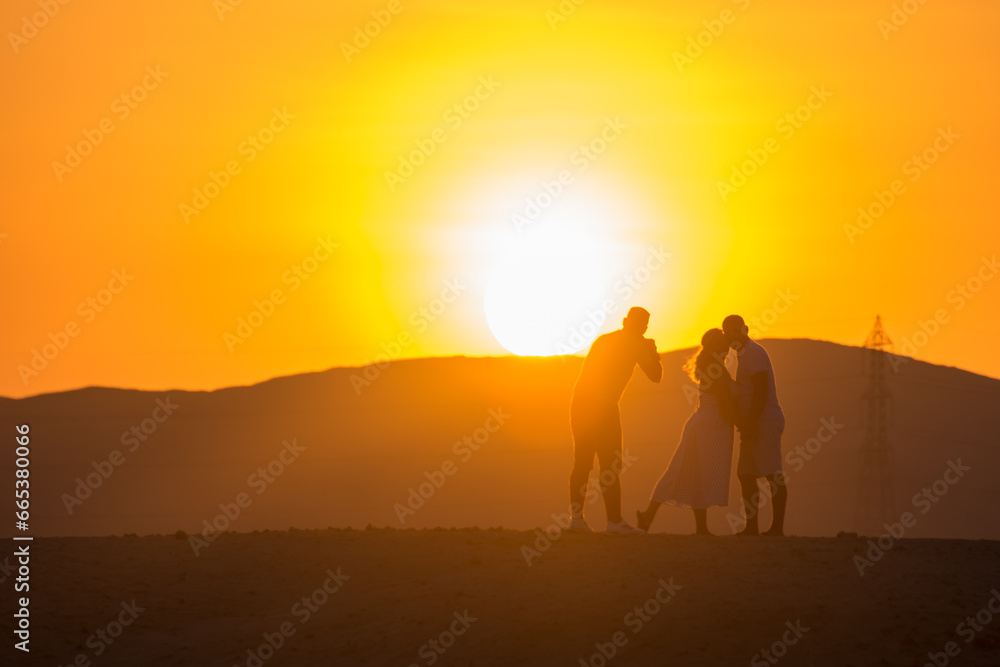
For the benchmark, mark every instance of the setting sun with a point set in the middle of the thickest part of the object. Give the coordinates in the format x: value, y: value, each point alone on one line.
x: 535, y: 298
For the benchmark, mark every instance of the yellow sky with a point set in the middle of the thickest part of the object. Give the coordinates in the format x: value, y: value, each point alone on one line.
x: 287, y: 136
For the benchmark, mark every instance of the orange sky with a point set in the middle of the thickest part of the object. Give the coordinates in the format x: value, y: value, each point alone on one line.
x: 300, y: 132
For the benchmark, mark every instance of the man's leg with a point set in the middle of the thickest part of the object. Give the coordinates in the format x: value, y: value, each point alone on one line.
x: 779, y: 499
x: 746, y: 472
x: 578, y: 480
x: 612, y: 491
x: 748, y: 488
x: 583, y: 462
x: 609, y: 456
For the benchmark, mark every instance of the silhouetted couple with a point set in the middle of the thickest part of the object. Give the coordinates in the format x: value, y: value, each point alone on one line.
x: 699, y: 472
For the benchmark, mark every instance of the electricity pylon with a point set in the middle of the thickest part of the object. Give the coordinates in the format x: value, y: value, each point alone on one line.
x: 875, y: 494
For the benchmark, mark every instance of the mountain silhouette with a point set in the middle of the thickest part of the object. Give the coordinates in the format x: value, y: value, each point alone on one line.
x: 353, y: 454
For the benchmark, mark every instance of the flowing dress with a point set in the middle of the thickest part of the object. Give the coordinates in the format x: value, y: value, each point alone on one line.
x: 698, y: 473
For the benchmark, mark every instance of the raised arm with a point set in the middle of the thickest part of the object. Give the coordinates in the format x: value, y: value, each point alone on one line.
x: 649, y: 360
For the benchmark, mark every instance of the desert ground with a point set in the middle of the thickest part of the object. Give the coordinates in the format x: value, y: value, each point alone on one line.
x: 470, y: 597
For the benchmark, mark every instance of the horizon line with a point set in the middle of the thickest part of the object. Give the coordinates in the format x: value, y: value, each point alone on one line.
x: 451, y: 356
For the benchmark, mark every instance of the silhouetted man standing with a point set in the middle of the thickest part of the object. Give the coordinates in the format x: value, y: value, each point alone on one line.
x: 595, y: 419
x: 761, y: 423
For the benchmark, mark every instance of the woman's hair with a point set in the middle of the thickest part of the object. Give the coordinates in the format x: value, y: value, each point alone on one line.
x: 705, y: 366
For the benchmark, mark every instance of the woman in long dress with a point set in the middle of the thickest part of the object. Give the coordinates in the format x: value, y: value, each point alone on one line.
x: 698, y: 474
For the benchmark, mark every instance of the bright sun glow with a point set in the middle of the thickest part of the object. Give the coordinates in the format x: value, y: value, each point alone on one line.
x: 546, y: 296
